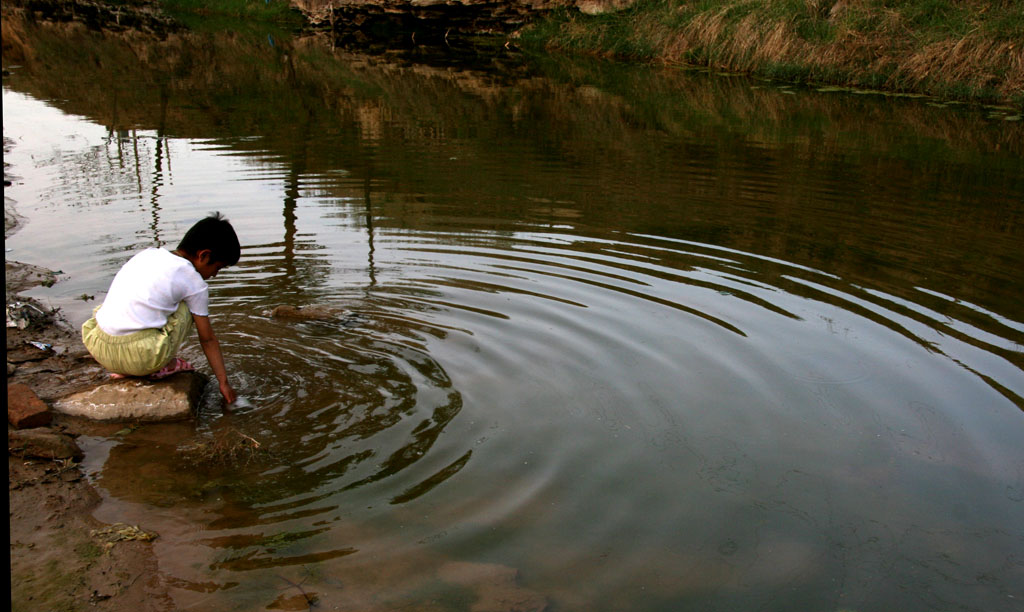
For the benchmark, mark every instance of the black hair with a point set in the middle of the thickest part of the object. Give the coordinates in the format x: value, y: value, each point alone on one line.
x: 217, y: 235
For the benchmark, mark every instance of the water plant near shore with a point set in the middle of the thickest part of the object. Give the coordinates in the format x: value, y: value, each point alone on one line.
x: 226, y: 447
x: 958, y: 50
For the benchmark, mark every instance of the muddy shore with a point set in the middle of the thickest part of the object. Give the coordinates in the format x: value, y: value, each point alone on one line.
x: 63, y: 559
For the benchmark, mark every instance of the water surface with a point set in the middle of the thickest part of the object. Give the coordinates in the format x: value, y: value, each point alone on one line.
x: 655, y: 340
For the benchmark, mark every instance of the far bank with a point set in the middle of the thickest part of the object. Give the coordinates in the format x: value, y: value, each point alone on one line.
x: 967, y: 50
x: 970, y: 50
x: 963, y: 50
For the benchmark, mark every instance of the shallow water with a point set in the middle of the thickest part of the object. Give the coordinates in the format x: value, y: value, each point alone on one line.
x: 656, y: 340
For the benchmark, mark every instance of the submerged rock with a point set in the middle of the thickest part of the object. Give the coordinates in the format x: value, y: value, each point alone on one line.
x: 496, y: 586
x: 137, y: 399
x: 316, y: 312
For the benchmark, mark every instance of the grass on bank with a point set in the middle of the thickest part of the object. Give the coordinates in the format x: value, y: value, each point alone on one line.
x: 200, y: 13
x: 960, y: 49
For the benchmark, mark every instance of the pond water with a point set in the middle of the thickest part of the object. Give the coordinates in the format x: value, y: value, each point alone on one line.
x: 649, y: 339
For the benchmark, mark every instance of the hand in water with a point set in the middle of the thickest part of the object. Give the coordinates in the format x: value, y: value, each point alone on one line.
x: 228, y: 393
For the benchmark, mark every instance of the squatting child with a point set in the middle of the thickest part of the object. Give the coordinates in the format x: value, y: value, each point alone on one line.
x: 154, y: 300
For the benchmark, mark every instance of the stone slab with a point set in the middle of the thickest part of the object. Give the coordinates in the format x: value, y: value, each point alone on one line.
x: 25, y: 409
x: 174, y: 398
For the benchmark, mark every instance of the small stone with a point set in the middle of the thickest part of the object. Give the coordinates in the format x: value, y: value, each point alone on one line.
x: 43, y: 443
x: 174, y: 398
x: 601, y: 7
x: 25, y: 409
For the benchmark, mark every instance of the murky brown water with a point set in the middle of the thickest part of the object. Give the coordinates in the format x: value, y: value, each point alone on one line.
x: 656, y: 340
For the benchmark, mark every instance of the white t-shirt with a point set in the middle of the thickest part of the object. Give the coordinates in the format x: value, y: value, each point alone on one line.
x: 148, y: 289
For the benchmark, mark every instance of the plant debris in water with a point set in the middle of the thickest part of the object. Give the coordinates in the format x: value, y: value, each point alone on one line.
x: 121, y: 532
x: 226, y: 447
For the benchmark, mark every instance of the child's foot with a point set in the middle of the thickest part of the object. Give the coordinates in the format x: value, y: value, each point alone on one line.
x: 173, y: 367
x: 116, y: 376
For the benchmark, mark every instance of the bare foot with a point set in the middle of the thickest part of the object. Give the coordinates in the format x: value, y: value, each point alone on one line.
x: 173, y: 367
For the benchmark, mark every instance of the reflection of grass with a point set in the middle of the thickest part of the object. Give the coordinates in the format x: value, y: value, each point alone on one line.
x: 941, y: 47
x: 284, y: 539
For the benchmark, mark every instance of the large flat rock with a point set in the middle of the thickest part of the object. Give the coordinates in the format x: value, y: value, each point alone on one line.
x: 137, y: 399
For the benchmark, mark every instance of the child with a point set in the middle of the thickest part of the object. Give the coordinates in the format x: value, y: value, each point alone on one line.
x: 153, y: 301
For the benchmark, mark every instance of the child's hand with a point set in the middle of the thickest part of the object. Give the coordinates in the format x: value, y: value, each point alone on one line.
x: 229, y: 394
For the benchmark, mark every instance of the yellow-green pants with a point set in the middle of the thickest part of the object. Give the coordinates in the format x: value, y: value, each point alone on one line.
x: 142, y: 352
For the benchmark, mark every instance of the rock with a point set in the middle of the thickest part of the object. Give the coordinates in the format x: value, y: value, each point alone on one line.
x: 137, y: 399
x: 25, y: 409
x: 42, y: 442
x: 496, y: 586
x: 600, y: 7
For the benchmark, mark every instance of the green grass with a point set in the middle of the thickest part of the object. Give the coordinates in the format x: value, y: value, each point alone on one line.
x: 273, y: 11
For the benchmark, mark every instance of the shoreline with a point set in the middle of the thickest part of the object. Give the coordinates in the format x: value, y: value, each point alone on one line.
x: 62, y: 558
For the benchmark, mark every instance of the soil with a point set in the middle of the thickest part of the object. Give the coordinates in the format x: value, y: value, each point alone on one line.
x: 61, y: 557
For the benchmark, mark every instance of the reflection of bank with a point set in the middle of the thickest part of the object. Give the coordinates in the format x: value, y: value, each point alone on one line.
x: 161, y: 156
x: 395, y: 122
x: 298, y: 169
x: 142, y: 468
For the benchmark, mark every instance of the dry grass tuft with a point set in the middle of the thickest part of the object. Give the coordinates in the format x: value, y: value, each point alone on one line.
x: 225, y: 447
x: 979, y: 62
x: 12, y: 35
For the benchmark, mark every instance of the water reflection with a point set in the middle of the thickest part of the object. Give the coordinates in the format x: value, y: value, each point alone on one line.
x: 693, y: 341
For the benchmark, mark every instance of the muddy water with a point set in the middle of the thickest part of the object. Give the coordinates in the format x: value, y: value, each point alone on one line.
x: 655, y: 340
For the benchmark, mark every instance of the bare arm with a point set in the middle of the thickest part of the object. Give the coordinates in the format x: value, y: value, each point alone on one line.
x: 211, y: 347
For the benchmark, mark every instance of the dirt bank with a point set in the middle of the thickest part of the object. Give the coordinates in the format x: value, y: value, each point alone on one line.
x: 62, y: 559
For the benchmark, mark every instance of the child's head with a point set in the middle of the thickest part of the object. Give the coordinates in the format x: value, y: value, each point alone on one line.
x: 216, y: 235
